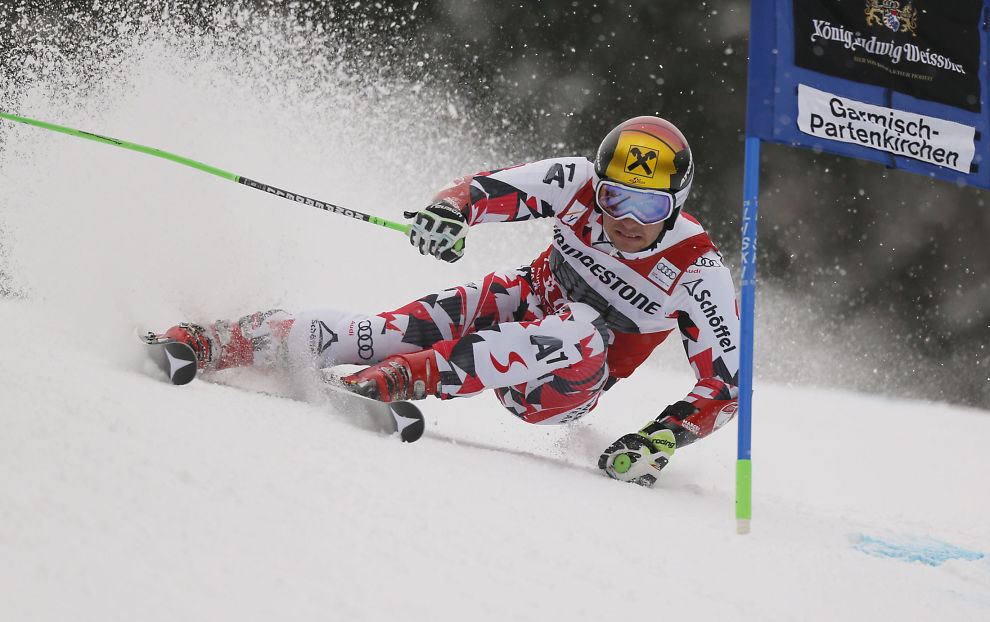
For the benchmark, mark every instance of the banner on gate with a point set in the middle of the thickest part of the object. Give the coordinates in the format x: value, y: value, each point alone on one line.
x: 925, y: 138
x: 930, y: 50
x: 898, y: 82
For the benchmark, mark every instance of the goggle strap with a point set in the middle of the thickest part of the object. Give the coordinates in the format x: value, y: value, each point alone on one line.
x: 681, y: 196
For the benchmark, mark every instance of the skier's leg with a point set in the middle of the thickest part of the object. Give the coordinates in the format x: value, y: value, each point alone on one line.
x: 255, y: 339
x: 327, y: 337
x: 548, y: 371
x: 563, y: 396
x: 514, y: 353
x: 545, y: 370
x: 332, y: 337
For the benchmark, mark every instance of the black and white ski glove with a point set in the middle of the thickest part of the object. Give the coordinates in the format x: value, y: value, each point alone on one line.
x: 638, y: 457
x: 439, y: 230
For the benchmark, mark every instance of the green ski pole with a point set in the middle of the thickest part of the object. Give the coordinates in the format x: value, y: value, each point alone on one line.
x: 206, y: 168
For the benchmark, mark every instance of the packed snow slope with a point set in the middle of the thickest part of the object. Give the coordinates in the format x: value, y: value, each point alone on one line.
x: 251, y: 498
x: 125, y: 498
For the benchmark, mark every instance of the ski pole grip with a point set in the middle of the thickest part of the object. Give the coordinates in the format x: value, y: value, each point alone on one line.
x: 404, y: 228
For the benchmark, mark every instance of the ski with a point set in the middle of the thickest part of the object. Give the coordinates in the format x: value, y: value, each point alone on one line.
x: 175, y: 358
x: 178, y: 361
x: 402, y: 418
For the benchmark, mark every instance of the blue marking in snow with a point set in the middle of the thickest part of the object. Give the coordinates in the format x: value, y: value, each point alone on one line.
x: 925, y: 550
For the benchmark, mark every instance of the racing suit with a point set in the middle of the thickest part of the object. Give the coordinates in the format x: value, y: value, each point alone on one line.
x: 549, y: 338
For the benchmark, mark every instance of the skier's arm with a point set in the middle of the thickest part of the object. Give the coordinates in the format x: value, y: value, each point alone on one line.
x: 534, y: 190
x: 704, y: 304
x: 708, y: 319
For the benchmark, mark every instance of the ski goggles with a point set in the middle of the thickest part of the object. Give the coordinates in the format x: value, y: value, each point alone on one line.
x: 647, y: 207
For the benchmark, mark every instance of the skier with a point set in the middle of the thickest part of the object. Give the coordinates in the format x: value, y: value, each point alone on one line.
x: 626, y: 267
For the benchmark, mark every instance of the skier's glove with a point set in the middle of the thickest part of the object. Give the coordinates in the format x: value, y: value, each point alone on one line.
x: 638, y: 457
x: 439, y: 230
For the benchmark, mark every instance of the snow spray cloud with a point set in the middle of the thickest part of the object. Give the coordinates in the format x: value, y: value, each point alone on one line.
x: 337, y: 106
x: 333, y: 105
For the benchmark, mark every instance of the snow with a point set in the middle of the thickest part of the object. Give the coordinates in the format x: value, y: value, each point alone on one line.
x: 125, y: 498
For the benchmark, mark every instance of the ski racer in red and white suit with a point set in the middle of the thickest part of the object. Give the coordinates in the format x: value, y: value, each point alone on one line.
x: 551, y: 337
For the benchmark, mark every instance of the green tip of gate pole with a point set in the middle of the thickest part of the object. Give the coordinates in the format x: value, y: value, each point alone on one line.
x: 744, y: 495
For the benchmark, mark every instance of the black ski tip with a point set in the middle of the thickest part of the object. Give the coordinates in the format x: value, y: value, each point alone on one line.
x: 181, y: 362
x: 175, y: 358
x: 409, y: 421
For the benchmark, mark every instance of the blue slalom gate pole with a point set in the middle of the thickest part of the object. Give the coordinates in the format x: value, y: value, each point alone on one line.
x: 744, y: 464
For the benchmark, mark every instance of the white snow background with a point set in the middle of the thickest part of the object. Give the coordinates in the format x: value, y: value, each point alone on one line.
x: 125, y: 498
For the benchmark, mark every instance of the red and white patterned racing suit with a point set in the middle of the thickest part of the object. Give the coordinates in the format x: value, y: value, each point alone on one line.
x: 550, y: 337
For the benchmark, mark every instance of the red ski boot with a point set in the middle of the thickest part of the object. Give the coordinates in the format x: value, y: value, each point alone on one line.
x: 211, y: 352
x: 196, y: 337
x: 400, y: 377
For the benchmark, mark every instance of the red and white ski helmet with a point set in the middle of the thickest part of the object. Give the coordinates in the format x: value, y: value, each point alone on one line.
x: 647, y: 153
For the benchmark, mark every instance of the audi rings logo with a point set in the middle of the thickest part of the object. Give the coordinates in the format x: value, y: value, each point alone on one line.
x: 704, y: 262
x: 366, y: 343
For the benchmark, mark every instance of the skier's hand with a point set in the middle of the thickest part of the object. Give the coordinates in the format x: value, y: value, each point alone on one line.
x: 638, y: 457
x: 439, y: 230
